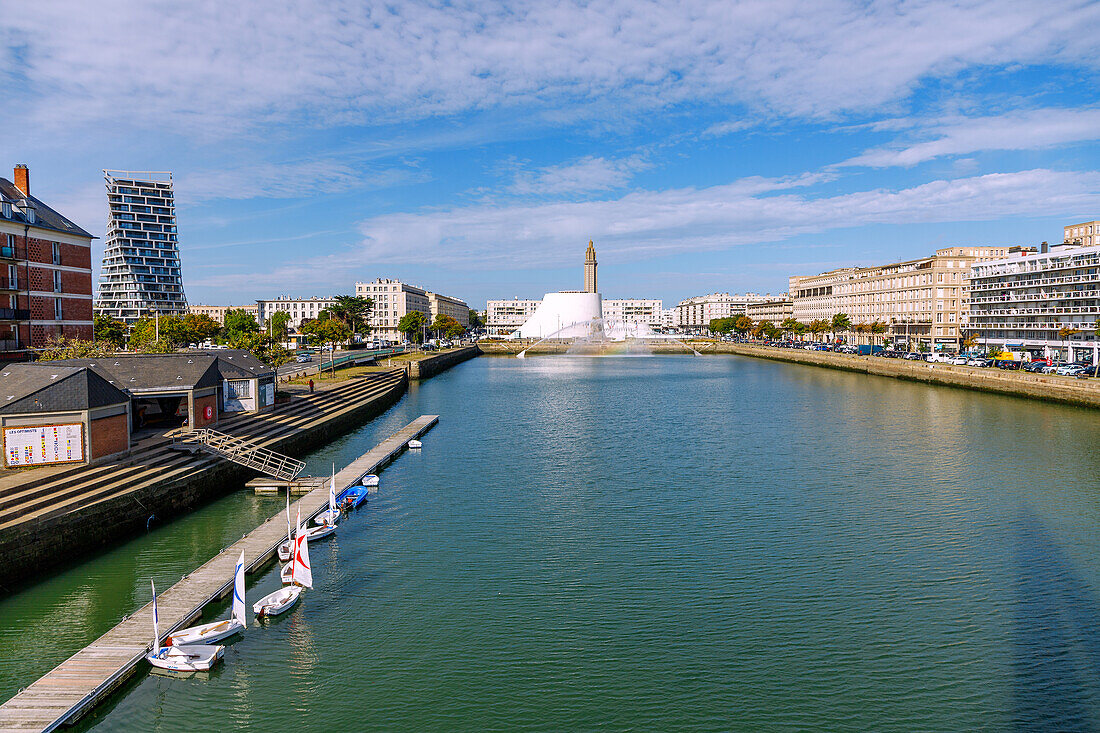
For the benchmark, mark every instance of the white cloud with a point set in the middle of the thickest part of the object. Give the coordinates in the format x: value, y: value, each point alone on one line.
x: 217, y: 68
x: 749, y: 211
x: 287, y: 180
x: 1029, y: 130
x: 587, y: 174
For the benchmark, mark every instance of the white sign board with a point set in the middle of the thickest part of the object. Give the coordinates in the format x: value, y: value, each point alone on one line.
x: 269, y: 394
x: 44, y: 444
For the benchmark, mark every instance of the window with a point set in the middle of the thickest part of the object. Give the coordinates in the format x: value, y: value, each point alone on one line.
x: 57, y: 309
x: 13, y: 277
x: 57, y: 281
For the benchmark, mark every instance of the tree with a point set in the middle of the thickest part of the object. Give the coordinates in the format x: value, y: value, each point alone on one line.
x: 412, y: 324
x: 237, y: 322
x: 109, y: 331
x: 476, y: 321
x: 970, y: 341
x: 280, y: 325
x: 59, y: 347
x: 447, y: 326
x: 353, y: 311
x: 742, y: 324
x: 792, y: 326
x: 160, y: 334
x: 840, y: 323
x: 722, y: 325
x: 767, y: 329
x: 861, y: 328
x: 200, y: 327
x: 818, y: 327
x: 1064, y: 334
x: 877, y: 328
x: 329, y: 331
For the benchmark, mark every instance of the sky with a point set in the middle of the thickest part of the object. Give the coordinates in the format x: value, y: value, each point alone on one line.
x: 473, y: 148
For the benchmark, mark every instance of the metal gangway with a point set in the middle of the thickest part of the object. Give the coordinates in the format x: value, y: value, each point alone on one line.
x: 240, y: 451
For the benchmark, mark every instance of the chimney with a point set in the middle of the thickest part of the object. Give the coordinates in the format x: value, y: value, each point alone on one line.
x: 1044, y: 248
x: 23, y: 178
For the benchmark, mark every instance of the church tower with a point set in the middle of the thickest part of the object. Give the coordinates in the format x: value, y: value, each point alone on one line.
x: 590, y: 268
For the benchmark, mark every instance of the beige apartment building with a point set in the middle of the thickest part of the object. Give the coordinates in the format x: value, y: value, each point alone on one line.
x: 632, y: 310
x: 773, y: 311
x: 1086, y: 234
x: 502, y: 317
x: 922, y: 301
x: 448, y: 306
x: 299, y: 309
x: 217, y: 312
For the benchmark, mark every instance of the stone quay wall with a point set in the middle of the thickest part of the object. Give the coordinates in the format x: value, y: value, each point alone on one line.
x: 429, y: 366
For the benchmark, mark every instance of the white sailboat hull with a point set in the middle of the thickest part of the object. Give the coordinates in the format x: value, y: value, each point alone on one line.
x: 197, y: 658
x: 205, y: 633
x: 328, y: 516
x: 278, y: 602
x: 286, y: 550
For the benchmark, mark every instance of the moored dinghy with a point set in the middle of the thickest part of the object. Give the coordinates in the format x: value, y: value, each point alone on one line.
x: 278, y: 602
x: 286, y: 549
x: 218, y: 630
x: 369, y: 480
x: 192, y: 658
x: 352, y: 497
x: 415, y: 444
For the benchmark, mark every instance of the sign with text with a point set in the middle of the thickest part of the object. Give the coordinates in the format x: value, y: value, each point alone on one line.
x: 44, y: 444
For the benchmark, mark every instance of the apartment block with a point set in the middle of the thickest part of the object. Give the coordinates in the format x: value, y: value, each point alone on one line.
x: 502, y: 317
x: 633, y: 311
x: 698, y: 312
x: 141, y: 263
x: 920, y: 301
x: 1023, y: 302
x: 773, y: 311
x: 392, y: 300
x: 1086, y: 234
x: 45, y: 272
x: 299, y: 309
x: 217, y: 312
x: 448, y: 306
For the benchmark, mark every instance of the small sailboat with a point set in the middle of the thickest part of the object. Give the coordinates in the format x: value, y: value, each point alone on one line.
x: 286, y: 550
x: 352, y: 497
x: 192, y: 658
x: 301, y: 576
x: 330, y: 515
x: 217, y: 630
x: 415, y: 444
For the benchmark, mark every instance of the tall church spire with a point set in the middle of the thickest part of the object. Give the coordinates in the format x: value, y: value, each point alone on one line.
x: 590, y: 268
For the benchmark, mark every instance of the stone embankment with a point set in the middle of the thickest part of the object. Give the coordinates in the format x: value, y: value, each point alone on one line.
x: 429, y: 366
x: 1048, y: 387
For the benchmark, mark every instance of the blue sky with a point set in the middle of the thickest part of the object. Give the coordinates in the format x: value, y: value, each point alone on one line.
x: 474, y: 148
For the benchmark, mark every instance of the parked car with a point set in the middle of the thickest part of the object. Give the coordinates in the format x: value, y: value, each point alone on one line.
x: 303, y: 359
x: 1069, y: 370
x: 1052, y: 368
x: 1033, y: 366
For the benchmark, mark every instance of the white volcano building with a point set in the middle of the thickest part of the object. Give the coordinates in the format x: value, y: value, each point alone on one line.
x: 569, y: 314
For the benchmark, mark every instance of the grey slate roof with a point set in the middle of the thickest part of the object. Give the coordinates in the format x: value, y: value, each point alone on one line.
x: 45, y: 217
x: 239, y: 364
x: 140, y: 373
x: 30, y: 388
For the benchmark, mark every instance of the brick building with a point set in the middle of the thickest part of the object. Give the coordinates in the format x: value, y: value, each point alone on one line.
x: 45, y: 272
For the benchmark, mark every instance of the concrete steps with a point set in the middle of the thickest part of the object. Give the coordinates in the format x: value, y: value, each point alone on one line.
x: 157, y: 463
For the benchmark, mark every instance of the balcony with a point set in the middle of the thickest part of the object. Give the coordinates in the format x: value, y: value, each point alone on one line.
x: 7, y: 252
x: 8, y: 345
x: 14, y: 314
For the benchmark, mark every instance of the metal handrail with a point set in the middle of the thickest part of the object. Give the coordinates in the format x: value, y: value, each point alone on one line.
x: 241, y: 451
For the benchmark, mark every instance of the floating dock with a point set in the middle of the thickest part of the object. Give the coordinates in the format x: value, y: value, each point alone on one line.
x: 84, y: 679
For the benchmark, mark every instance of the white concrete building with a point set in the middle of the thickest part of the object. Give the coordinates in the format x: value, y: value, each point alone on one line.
x: 633, y: 310
x: 564, y: 315
x: 502, y: 317
x: 1023, y: 302
x: 300, y: 309
x: 698, y: 312
x: 393, y: 299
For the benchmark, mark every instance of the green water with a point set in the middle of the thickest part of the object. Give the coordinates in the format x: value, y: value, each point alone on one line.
x: 659, y: 543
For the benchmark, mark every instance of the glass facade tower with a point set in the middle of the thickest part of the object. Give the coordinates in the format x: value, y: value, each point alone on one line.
x: 141, y: 262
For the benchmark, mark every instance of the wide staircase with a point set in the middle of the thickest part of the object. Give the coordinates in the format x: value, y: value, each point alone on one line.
x: 155, y: 460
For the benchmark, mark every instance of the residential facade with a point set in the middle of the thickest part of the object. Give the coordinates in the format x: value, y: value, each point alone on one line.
x: 393, y: 299
x: 217, y: 312
x: 447, y: 306
x: 502, y: 317
x: 1023, y: 302
x: 45, y: 272
x: 633, y: 310
x: 772, y: 311
x: 299, y: 309
x: 923, y: 301
x: 141, y: 263
x: 1086, y: 234
x: 698, y: 312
